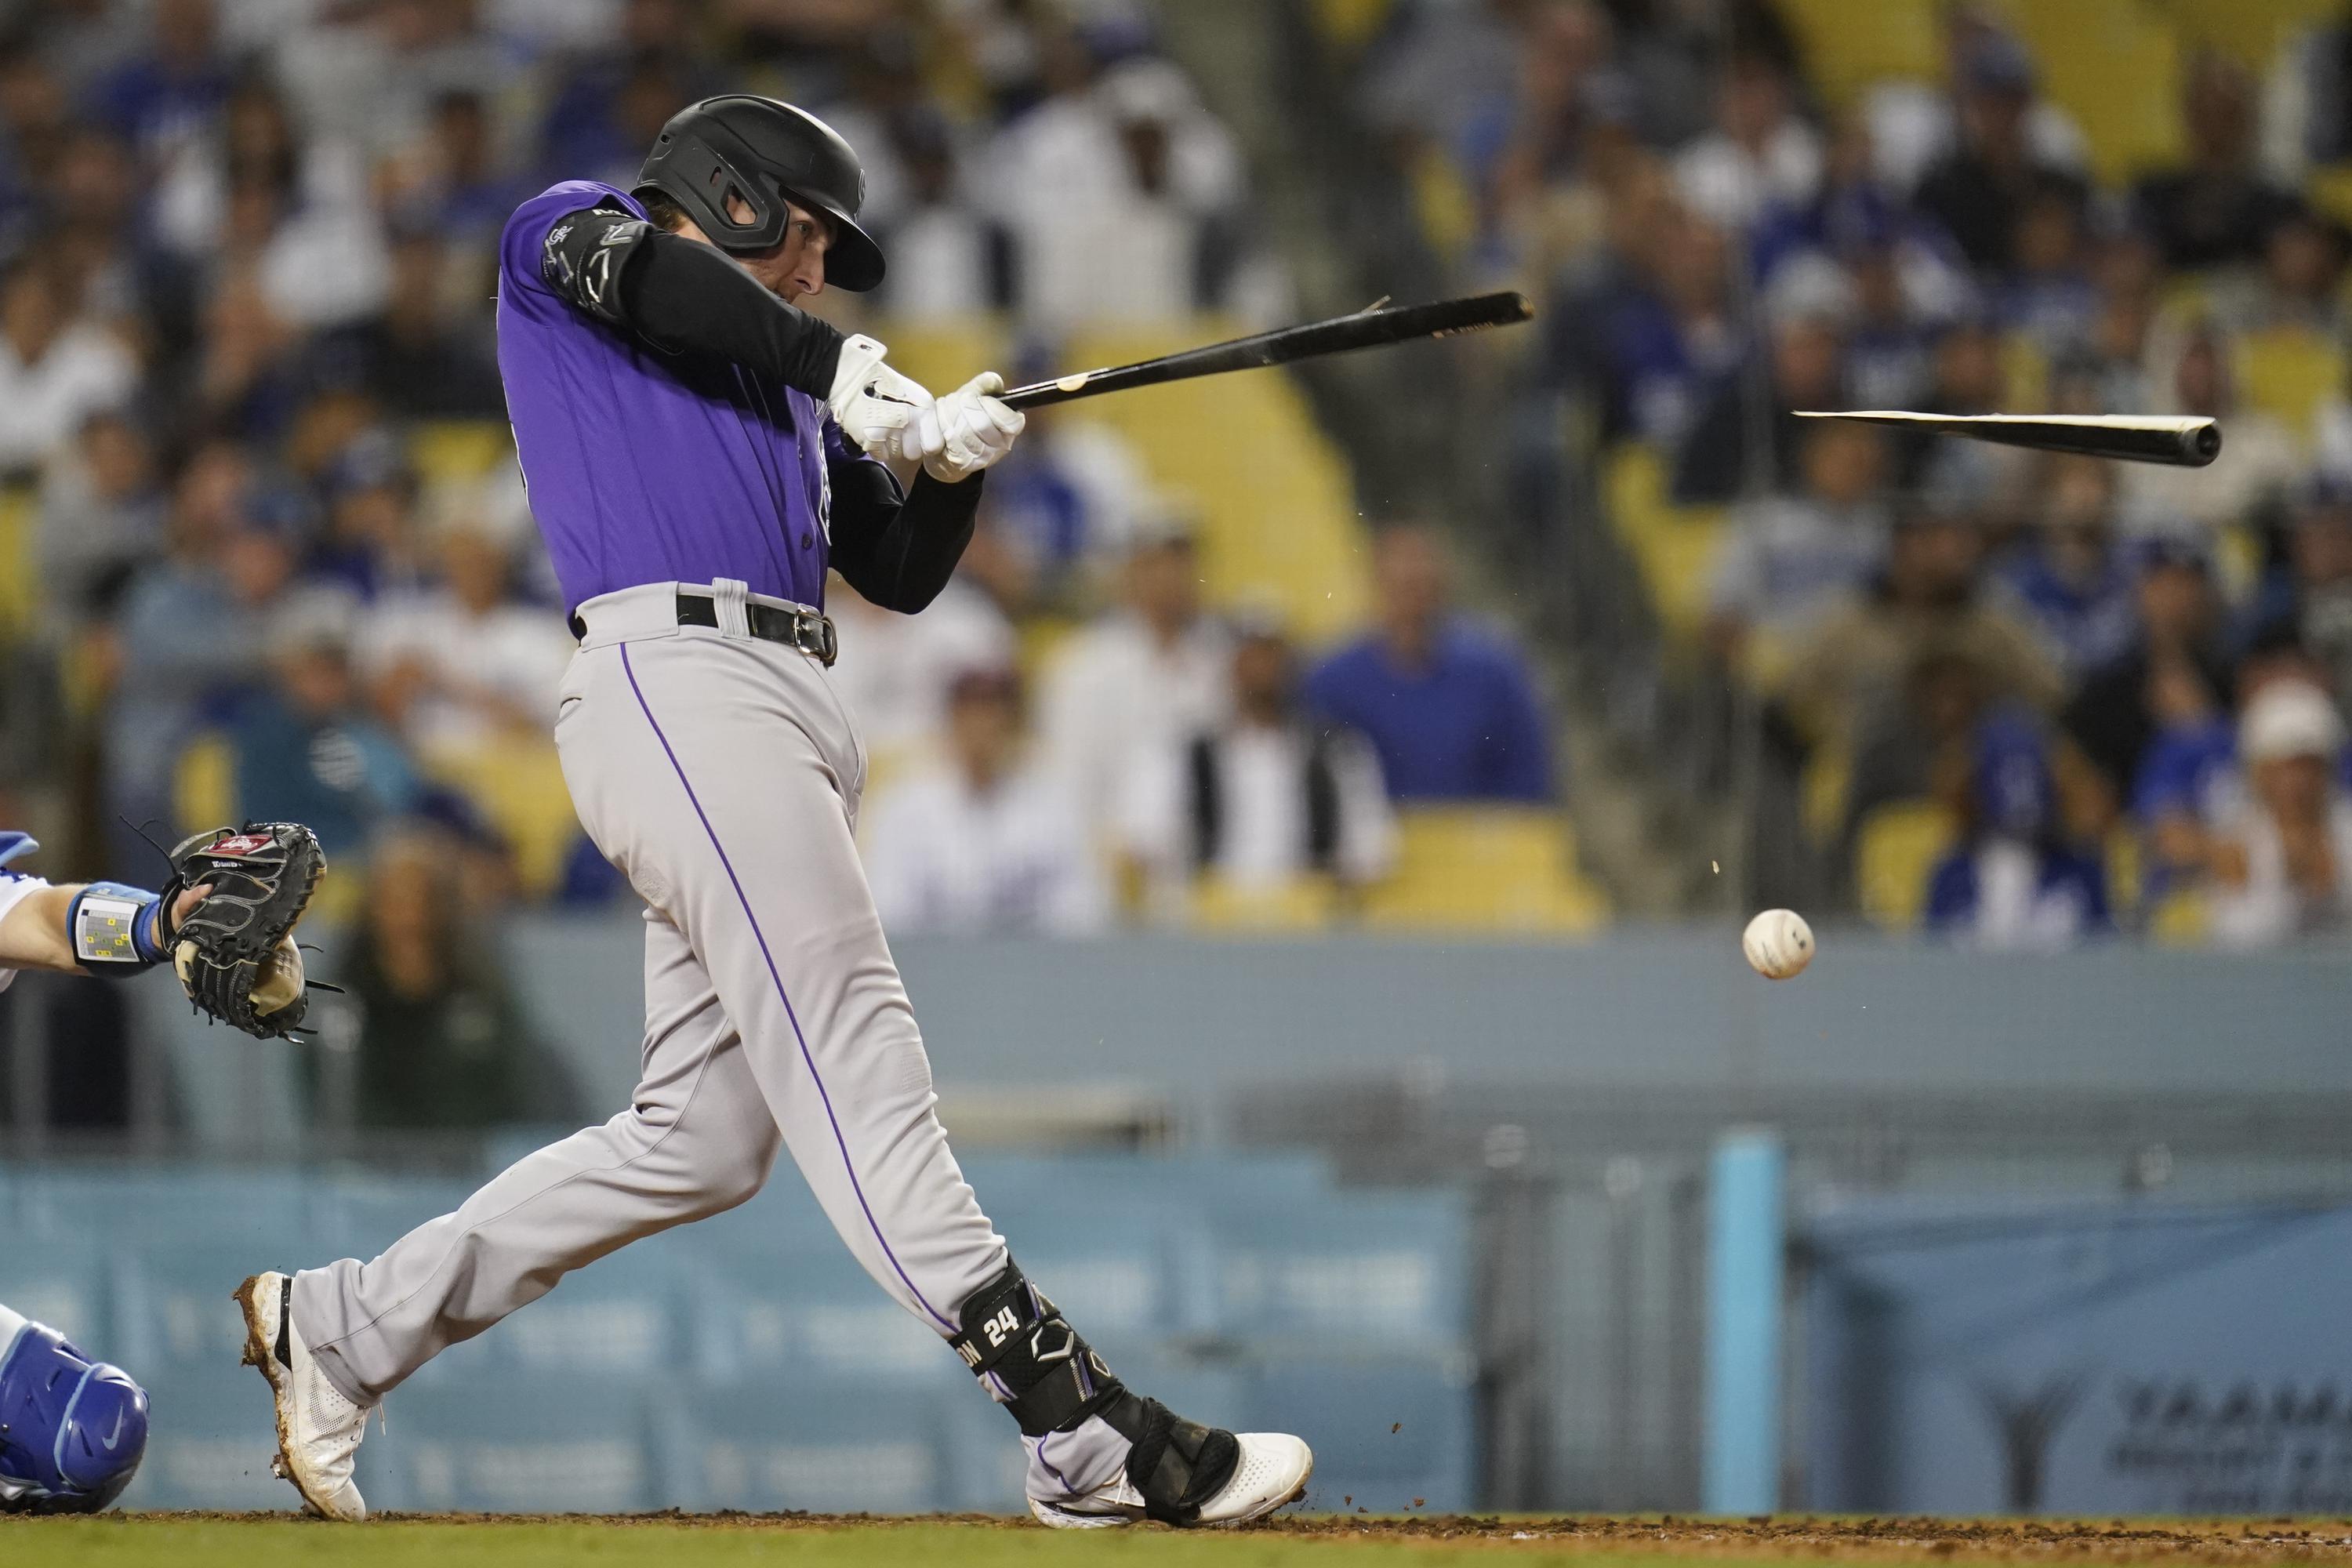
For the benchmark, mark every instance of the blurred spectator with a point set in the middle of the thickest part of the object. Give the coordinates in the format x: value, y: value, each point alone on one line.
x: 2265, y: 459
x: 2066, y: 575
x: 1449, y: 707
x: 56, y: 368
x: 2281, y: 845
x: 439, y: 1037
x: 413, y: 358
x: 1530, y: 160
x: 101, y: 515
x: 1964, y: 376
x: 1265, y: 799
x: 1446, y: 80
x: 2309, y: 603
x: 304, y: 747
x: 2174, y: 675
x: 1109, y: 188
x: 1140, y: 678
x: 1068, y: 498
x: 1916, y: 124
x: 588, y: 131
x: 2219, y: 207
x: 459, y: 663
x: 2299, y: 286
x: 982, y: 842
x: 2049, y: 298
x: 173, y: 87
x: 950, y: 257
x: 1980, y: 188
x: 1792, y: 556
x: 2012, y: 883
x: 192, y: 626
x: 461, y: 192
x: 371, y: 545
x: 1758, y: 153
x: 1846, y: 677
x: 1716, y: 459
x: 895, y: 672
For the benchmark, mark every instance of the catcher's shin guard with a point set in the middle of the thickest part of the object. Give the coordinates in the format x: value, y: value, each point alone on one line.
x: 72, y: 1430
x: 1025, y: 1353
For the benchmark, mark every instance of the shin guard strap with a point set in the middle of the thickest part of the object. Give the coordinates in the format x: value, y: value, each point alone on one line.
x: 1019, y: 1345
x: 1176, y: 1464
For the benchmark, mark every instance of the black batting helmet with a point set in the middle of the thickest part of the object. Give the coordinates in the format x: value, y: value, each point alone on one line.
x: 766, y: 152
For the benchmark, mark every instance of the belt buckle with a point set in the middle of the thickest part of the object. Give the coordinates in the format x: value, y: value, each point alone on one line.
x: 814, y: 634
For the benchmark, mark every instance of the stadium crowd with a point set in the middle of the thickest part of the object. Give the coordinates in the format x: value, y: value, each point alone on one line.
x: 270, y: 556
x: 2034, y: 699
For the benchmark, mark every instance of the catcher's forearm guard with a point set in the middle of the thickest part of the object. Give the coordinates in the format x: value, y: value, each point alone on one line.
x: 116, y: 930
x: 233, y: 952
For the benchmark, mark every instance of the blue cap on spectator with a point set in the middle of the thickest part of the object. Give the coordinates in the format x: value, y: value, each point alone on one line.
x: 2171, y: 547
x: 1997, y: 63
x: 371, y: 462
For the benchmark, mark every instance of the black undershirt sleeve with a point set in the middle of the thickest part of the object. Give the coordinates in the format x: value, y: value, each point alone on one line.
x: 898, y: 553
x: 682, y: 296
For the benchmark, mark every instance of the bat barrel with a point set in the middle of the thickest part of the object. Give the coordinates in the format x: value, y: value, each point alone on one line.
x: 2186, y: 443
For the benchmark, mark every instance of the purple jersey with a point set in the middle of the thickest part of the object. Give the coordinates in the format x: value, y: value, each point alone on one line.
x: 644, y: 467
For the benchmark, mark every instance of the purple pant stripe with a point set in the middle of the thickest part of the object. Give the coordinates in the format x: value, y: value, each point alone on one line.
x: 848, y: 1166
x: 1056, y: 1468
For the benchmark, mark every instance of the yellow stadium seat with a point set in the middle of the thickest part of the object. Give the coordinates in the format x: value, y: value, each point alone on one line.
x: 457, y: 451
x: 20, y: 560
x: 1848, y: 44
x: 1676, y: 547
x: 2125, y: 875
x: 2180, y: 920
x: 1348, y: 25
x: 2025, y: 372
x: 943, y: 354
x: 1276, y: 498
x: 1895, y: 853
x: 519, y: 785
x: 1444, y: 203
x: 204, y: 796
x: 1822, y: 791
x: 1301, y: 904
x: 2329, y: 188
x: 2248, y: 31
x: 2114, y: 66
x: 203, y: 783
x: 2288, y: 371
x: 1485, y: 869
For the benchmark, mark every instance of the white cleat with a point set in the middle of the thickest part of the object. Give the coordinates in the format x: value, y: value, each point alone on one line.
x: 1270, y: 1473
x: 318, y: 1430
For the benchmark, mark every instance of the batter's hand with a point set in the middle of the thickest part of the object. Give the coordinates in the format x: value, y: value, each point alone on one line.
x: 871, y: 402
x: 964, y: 432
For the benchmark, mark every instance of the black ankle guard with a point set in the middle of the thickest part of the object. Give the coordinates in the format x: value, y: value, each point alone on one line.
x: 1013, y: 1336
x: 1176, y: 1464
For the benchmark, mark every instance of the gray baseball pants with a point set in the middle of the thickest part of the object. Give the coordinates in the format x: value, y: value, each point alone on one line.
x: 721, y: 775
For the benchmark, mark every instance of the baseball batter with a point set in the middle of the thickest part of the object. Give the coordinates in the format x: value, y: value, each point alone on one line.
x: 699, y: 451
x: 72, y: 1430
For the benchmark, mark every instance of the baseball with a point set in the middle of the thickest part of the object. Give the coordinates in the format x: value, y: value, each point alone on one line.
x: 1778, y: 944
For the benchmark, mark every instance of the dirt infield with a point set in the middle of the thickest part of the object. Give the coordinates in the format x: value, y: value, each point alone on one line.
x: 196, y: 1541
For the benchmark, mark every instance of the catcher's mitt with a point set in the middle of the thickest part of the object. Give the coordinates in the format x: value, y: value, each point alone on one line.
x: 233, y: 954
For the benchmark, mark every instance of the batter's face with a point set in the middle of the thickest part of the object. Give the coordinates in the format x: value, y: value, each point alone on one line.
x: 793, y: 268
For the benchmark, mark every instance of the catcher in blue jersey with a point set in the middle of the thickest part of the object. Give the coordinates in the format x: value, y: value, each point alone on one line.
x: 72, y: 1429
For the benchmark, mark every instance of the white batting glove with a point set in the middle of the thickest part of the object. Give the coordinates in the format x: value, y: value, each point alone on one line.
x: 871, y: 402
x: 964, y: 432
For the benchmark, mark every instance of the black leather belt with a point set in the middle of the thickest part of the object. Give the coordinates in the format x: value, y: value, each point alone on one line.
x: 806, y: 630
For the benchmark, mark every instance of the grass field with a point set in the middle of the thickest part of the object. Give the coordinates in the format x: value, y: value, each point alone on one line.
x: 216, y: 1541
